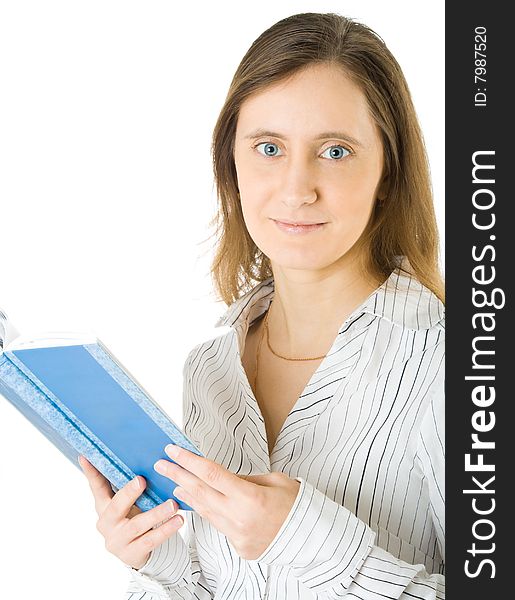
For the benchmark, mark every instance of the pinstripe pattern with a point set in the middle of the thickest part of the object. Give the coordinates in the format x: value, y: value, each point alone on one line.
x: 365, y: 440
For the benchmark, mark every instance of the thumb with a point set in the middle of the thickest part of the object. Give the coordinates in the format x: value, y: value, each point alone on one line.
x: 266, y: 479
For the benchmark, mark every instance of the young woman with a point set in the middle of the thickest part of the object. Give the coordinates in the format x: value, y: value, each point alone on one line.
x: 320, y: 410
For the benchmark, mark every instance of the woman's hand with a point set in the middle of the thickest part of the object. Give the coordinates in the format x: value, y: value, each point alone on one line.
x: 248, y: 509
x: 126, y: 529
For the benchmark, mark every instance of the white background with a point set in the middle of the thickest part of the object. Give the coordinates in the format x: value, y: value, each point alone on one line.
x: 106, y: 192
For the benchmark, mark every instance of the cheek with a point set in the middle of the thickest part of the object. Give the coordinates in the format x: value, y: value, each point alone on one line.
x: 352, y: 222
x: 354, y: 212
x: 353, y: 199
x: 254, y: 215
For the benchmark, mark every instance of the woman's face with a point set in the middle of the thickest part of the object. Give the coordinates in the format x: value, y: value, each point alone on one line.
x: 307, y: 152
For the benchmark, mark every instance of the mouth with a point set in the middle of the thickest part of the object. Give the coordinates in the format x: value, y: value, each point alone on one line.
x: 298, y: 227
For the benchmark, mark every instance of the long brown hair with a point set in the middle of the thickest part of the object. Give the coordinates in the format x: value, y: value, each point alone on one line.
x: 404, y: 224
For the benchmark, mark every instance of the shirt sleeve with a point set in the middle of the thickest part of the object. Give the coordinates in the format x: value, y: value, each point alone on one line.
x: 333, y: 553
x: 173, y: 569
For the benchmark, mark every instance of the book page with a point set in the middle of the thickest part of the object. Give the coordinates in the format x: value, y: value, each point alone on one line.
x: 7, y: 331
x: 50, y: 339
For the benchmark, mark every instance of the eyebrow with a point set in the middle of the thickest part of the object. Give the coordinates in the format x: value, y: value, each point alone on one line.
x: 326, y: 134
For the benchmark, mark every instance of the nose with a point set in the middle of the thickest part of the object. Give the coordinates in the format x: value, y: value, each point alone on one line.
x: 298, y: 185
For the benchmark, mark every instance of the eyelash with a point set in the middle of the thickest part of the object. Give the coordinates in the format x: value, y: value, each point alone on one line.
x: 350, y: 152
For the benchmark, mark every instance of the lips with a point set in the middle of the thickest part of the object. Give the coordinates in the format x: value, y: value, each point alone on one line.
x: 301, y: 227
x: 289, y: 222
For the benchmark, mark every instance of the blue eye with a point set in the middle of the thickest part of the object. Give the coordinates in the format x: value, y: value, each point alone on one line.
x: 336, y: 152
x: 269, y: 149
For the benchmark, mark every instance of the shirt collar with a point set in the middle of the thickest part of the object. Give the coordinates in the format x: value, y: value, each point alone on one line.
x: 401, y: 299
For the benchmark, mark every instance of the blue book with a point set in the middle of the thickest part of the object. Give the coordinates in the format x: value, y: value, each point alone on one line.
x: 85, y: 402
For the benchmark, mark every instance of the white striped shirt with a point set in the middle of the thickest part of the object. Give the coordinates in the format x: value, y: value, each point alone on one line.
x: 365, y: 440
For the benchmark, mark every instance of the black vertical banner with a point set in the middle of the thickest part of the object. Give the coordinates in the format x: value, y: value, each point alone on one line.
x: 480, y: 242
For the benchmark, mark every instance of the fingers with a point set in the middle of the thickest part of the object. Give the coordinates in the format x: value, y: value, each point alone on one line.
x: 213, y: 474
x: 129, y: 533
x: 143, y: 545
x: 100, y: 486
x: 191, y: 484
x: 119, y: 506
x: 134, y: 541
x: 116, y: 505
x: 140, y: 524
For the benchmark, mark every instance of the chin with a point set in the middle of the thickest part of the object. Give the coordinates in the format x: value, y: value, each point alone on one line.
x: 301, y: 253
x: 306, y: 260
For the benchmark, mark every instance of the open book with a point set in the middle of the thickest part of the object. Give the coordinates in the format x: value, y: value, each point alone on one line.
x: 84, y: 401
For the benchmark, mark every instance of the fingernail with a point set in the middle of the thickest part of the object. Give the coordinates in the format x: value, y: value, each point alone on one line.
x: 159, y: 467
x: 172, y: 506
x: 136, y: 483
x: 172, y: 450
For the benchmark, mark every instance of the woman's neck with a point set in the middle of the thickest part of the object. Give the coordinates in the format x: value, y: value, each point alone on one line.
x: 309, y: 306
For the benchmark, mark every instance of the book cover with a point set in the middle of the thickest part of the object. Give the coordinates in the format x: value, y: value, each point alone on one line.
x: 77, y: 394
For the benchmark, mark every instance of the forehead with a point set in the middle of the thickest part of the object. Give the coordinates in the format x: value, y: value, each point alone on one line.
x: 318, y: 98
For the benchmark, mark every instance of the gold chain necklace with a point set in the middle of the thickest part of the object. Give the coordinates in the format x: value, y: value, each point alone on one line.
x: 265, y: 326
x: 258, y: 352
